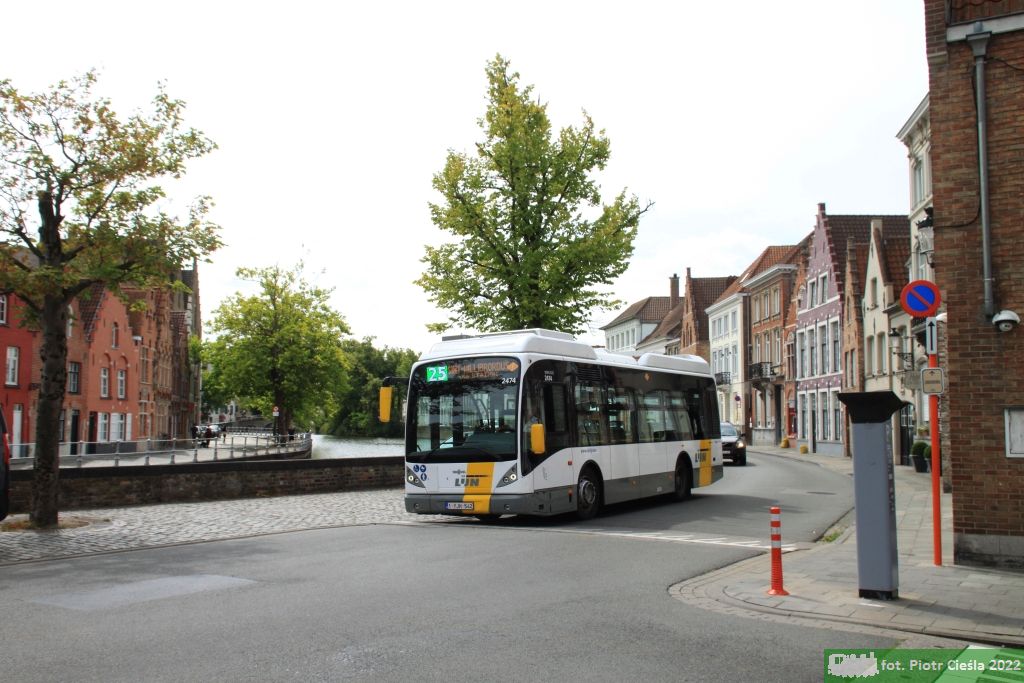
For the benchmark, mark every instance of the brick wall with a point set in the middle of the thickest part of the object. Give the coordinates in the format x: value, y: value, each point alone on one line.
x: 99, y: 487
x: 985, y: 367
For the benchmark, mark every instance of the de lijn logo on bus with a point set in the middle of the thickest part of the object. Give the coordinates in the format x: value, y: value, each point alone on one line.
x: 437, y: 373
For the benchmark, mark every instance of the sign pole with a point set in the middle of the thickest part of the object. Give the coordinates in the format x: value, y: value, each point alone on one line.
x: 933, y: 417
x: 921, y: 298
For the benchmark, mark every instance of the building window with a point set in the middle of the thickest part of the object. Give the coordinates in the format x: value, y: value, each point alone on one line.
x: 880, y: 349
x: 757, y: 309
x: 735, y: 359
x: 11, y: 378
x: 776, y: 298
x: 777, y: 355
x: 873, y: 293
x: 3, y: 309
x: 74, y: 377
x: 104, y: 428
x: 824, y: 417
x: 801, y: 370
x: 917, y: 167
x: 765, y: 304
x: 733, y: 326
x: 813, y: 291
x: 144, y: 365
x: 105, y: 382
x: 822, y: 333
x: 803, y: 416
x: 824, y: 287
x: 116, y: 427
x: 71, y: 320
x: 122, y: 382
x: 114, y: 335
x: 811, y: 352
x: 835, y: 347
x: 837, y: 419
x: 869, y: 356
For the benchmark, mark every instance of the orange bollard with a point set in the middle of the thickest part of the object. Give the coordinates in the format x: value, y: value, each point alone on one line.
x: 776, y: 534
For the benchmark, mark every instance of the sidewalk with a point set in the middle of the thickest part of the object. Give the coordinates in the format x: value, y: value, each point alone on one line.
x: 965, y: 603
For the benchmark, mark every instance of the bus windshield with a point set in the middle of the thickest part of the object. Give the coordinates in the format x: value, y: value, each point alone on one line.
x: 463, y: 410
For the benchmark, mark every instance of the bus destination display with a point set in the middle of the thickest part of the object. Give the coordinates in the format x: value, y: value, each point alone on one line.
x: 472, y: 369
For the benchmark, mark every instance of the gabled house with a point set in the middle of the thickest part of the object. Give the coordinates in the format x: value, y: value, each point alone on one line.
x: 885, y: 326
x: 820, y: 416
x: 769, y: 284
x: 665, y: 337
x: 637, y: 321
x: 701, y: 292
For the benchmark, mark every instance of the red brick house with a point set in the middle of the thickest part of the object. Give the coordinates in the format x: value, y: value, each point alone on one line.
x: 978, y: 202
x: 701, y: 292
x: 17, y: 393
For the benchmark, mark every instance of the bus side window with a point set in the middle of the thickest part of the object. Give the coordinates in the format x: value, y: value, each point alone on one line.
x: 591, y: 420
x: 680, y: 416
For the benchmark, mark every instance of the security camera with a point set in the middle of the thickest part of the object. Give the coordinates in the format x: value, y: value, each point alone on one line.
x: 1005, y: 321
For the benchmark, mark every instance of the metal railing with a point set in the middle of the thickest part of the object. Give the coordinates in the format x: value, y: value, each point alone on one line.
x: 230, y: 446
x: 723, y: 378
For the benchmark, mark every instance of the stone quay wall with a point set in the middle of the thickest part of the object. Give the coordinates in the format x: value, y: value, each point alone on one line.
x: 102, y: 487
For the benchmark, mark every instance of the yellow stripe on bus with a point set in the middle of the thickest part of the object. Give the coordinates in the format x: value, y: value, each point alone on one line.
x: 478, y: 486
x: 705, y: 462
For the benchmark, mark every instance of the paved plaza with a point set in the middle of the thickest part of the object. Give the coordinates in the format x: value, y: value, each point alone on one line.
x: 947, y: 601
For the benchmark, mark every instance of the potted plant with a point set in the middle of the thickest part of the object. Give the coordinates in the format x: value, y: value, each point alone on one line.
x: 917, y: 455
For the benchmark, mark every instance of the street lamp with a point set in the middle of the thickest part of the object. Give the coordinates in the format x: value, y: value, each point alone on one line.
x: 896, y: 348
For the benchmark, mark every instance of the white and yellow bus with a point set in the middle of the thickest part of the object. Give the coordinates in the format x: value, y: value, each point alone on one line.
x: 533, y: 422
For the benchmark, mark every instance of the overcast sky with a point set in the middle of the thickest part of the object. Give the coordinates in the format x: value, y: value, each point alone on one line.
x: 736, y: 119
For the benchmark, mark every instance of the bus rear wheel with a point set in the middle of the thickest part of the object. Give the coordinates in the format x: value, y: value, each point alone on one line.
x: 683, y: 480
x: 588, y: 495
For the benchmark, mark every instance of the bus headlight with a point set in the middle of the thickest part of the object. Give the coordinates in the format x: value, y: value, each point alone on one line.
x: 740, y: 444
x: 413, y: 478
x: 509, y: 477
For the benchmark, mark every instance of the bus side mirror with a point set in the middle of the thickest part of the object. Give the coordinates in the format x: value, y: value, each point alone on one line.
x: 537, y: 439
x: 385, y: 404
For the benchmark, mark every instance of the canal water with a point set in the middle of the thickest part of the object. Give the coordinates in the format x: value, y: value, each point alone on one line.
x: 347, y: 447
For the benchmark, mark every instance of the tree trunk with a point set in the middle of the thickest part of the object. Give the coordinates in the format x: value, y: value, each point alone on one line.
x: 54, y: 354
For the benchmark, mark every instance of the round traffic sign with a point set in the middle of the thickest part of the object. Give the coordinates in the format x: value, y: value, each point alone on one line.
x: 920, y: 298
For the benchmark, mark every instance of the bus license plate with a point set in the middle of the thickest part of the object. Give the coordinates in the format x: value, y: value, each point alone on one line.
x: 458, y: 506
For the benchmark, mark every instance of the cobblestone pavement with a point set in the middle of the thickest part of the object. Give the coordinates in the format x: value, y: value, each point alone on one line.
x: 126, y: 528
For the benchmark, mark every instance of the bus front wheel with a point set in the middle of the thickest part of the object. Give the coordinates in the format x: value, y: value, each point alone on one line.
x: 588, y: 495
x: 683, y: 479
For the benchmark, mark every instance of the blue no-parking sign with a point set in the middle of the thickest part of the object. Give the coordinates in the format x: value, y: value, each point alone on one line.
x: 920, y: 298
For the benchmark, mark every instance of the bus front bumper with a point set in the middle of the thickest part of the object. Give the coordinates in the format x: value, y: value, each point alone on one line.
x: 549, y: 502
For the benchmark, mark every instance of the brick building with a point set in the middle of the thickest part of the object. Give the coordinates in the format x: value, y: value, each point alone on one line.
x: 978, y: 195
x: 701, y: 292
x: 16, y: 394
x: 770, y: 285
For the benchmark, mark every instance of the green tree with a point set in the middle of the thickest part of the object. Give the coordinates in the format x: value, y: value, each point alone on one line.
x: 281, y: 347
x: 91, y: 177
x: 357, y: 397
x: 525, y: 255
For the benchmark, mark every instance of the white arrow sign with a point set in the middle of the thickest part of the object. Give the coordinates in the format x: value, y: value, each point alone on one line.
x: 931, y: 336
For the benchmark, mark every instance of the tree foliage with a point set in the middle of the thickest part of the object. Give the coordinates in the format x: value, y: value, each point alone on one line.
x: 91, y: 179
x: 525, y: 254
x: 357, y: 399
x: 281, y: 347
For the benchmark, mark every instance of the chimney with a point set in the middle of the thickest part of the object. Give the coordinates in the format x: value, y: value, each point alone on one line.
x: 673, y: 291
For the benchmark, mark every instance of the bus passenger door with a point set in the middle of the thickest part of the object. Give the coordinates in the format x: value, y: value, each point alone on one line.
x: 624, y: 479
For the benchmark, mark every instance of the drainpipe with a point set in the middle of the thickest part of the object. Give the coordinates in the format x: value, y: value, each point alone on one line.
x: 979, y: 44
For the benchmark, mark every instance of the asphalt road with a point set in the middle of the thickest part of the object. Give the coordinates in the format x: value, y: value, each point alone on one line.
x: 438, y: 601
